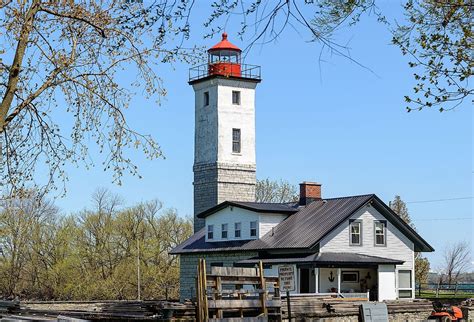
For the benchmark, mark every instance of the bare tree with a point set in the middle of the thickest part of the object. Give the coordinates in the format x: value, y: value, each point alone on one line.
x: 275, y: 191
x: 437, y: 35
x: 60, y: 85
x: 457, y: 258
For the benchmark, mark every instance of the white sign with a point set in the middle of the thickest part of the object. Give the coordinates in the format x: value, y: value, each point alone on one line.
x: 287, y: 277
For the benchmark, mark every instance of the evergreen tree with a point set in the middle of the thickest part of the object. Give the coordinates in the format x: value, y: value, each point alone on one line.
x: 422, y: 264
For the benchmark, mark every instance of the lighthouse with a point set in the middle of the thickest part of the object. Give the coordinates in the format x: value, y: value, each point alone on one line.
x: 224, y: 138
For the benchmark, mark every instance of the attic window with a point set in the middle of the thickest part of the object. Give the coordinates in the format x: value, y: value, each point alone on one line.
x: 253, y: 229
x: 238, y: 229
x: 210, y: 232
x: 380, y: 233
x: 355, y: 231
x: 224, y: 231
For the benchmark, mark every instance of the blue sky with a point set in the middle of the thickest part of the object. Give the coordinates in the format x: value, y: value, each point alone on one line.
x: 332, y: 122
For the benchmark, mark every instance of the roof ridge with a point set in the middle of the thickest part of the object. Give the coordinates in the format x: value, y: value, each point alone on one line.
x: 264, y: 203
x: 353, y: 196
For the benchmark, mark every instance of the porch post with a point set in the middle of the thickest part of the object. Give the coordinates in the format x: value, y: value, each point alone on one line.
x: 338, y: 280
x: 316, y: 280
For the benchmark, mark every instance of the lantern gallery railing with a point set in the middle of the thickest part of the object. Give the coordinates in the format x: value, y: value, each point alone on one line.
x: 225, y: 69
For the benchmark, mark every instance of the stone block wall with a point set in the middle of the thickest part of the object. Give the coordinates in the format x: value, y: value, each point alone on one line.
x: 188, y: 268
x: 218, y: 182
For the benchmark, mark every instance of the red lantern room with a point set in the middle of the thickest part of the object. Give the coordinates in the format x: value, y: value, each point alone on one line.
x: 224, y: 58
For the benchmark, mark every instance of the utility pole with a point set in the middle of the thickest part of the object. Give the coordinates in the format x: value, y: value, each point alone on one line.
x: 138, y: 270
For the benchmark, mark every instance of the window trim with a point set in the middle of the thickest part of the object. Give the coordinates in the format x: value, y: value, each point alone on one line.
x: 210, y: 229
x: 239, y: 230
x: 384, y: 222
x: 239, y: 142
x: 256, y: 228
x: 238, y: 97
x: 405, y: 288
x: 356, y: 273
x: 351, y: 221
x: 226, y: 231
x: 206, y: 98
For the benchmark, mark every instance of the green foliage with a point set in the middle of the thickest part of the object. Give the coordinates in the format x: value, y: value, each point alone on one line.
x: 92, y: 255
x: 275, y: 191
x: 422, y: 264
x: 437, y: 35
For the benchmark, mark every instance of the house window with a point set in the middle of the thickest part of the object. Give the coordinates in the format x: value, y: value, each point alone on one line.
x: 355, y: 233
x: 380, y: 233
x: 238, y: 228
x: 210, y: 231
x: 224, y: 231
x: 236, y: 140
x: 206, y: 98
x: 404, y: 284
x: 253, y: 229
x: 236, y: 97
x: 350, y: 276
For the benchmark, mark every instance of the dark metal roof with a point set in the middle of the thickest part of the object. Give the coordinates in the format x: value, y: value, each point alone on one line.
x: 326, y: 259
x: 197, y: 244
x: 304, y: 229
x: 281, y: 208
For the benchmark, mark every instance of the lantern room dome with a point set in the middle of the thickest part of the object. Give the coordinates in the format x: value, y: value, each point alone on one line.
x: 224, y: 45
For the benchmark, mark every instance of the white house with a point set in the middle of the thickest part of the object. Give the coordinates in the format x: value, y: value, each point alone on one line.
x: 346, y: 245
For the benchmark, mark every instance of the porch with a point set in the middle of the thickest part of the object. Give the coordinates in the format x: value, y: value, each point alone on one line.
x: 345, y: 275
x: 345, y: 282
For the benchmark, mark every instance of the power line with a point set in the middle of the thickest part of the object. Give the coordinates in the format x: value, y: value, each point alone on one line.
x: 438, y: 200
x: 443, y: 219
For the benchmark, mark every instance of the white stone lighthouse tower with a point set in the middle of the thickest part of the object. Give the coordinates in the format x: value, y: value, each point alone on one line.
x: 224, y: 140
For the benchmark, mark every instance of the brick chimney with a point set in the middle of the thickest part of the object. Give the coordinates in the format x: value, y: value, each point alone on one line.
x: 309, y: 192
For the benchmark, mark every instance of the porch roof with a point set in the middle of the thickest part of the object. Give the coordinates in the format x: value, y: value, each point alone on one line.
x: 324, y: 259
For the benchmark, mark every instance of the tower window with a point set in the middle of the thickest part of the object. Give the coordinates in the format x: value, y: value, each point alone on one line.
x: 206, y: 98
x: 224, y: 231
x: 236, y: 97
x: 235, y: 140
x: 238, y: 228
x: 253, y: 229
x: 210, y: 232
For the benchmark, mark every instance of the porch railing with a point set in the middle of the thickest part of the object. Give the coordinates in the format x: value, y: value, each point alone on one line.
x: 246, y: 71
x: 361, y: 295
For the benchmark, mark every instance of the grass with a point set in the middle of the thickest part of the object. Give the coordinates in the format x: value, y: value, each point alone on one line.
x: 431, y: 294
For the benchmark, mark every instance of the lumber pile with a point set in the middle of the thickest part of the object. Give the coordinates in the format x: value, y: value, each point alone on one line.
x: 411, y: 306
x: 129, y: 308
x: 321, y: 306
x: 115, y: 310
x: 9, y: 306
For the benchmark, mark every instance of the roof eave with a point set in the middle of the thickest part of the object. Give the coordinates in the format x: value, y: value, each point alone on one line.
x: 225, y: 204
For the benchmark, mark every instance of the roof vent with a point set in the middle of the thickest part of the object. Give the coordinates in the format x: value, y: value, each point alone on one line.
x: 309, y: 192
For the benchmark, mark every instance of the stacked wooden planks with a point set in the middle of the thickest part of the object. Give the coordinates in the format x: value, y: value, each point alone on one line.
x: 411, y: 306
x: 321, y: 306
x: 9, y: 306
x: 116, y: 310
x: 324, y: 307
